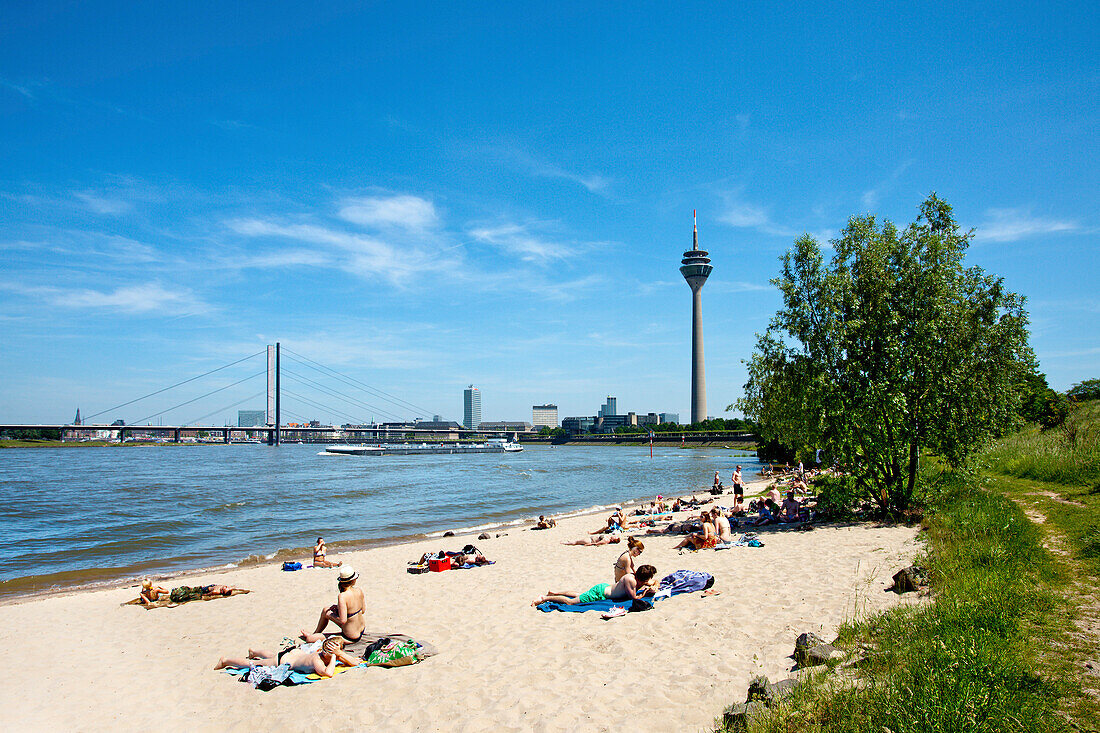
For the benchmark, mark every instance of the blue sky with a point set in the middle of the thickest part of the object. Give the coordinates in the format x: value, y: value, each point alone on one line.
x: 422, y: 196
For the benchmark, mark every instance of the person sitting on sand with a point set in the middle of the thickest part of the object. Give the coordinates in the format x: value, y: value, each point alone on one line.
x: 617, y: 522
x: 702, y: 539
x: 773, y: 495
x: 625, y: 563
x: 545, y: 523
x: 151, y: 593
x: 721, y: 526
x: 317, y: 657
x: 738, y: 508
x: 630, y: 587
x: 593, y: 541
x: 319, y: 560
x: 790, y: 508
x: 767, y: 512
x: 347, y: 612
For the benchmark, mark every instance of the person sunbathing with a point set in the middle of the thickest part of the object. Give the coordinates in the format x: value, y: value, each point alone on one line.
x: 219, y: 590
x: 317, y: 657
x: 790, y: 508
x: 630, y: 587
x: 347, y: 612
x: 625, y: 564
x: 545, y: 523
x: 767, y: 513
x: 151, y: 593
x: 617, y: 522
x: 592, y: 541
x: 721, y: 526
x: 319, y: 560
x: 702, y: 539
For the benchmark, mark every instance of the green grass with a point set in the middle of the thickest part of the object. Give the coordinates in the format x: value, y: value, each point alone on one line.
x: 1067, y: 454
x: 963, y: 662
x: 997, y: 648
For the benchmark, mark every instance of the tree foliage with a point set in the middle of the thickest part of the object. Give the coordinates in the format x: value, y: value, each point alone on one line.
x: 890, y: 348
x: 1086, y: 390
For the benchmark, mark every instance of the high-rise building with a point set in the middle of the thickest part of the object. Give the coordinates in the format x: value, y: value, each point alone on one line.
x: 544, y: 415
x: 696, y: 268
x: 609, y: 408
x: 667, y: 417
x: 251, y: 418
x: 471, y: 407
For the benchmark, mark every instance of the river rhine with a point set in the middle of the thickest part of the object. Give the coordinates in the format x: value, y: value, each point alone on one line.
x: 83, y: 516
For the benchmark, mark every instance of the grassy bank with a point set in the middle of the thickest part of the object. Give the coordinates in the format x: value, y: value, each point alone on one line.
x: 1008, y: 638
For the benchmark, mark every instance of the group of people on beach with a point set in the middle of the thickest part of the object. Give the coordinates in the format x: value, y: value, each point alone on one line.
x: 319, y: 652
x: 322, y: 649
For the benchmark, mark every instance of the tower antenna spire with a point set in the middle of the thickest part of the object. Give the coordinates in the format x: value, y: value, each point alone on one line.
x: 694, y: 230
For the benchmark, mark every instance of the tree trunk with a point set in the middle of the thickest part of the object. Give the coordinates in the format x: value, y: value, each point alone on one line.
x: 914, y: 459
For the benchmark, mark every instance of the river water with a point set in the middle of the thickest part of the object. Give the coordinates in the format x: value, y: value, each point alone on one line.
x: 93, y: 515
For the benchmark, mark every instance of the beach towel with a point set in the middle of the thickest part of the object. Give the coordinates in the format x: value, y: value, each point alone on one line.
x: 686, y: 581
x: 642, y: 604
x: 166, y: 603
x: 354, y: 649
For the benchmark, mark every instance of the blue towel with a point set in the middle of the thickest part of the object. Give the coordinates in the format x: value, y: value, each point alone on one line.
x: 593, y: 606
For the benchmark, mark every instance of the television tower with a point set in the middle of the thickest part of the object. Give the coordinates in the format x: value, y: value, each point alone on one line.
x: 696, y: 267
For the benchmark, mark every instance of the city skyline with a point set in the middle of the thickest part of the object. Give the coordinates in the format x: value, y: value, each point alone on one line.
x: 423, y: 197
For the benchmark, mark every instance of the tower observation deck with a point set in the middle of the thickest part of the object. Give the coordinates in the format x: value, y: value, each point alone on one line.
x: 696, y: 268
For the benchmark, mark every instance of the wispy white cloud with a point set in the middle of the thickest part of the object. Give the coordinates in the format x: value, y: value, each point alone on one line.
x: 745, y: 215
x: 134, y: 299
x: 1010, y: 225
x: 737, y: 286
x: 872, y: 196
x: 359, y: 254
x: 99, y: 204
x: 594, y: 182
x: 403, y: 211
x: 518, y: 240
x: 22, y: 89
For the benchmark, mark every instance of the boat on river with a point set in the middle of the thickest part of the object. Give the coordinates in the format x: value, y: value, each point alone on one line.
x: 493, y: 445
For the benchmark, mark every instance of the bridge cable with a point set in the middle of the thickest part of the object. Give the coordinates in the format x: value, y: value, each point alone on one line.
x: 177, y: 384
x: 337, y: 393
x: 188, y: 402
x: 363, y: 385
x: 227, y: 407
x: 319, y: 406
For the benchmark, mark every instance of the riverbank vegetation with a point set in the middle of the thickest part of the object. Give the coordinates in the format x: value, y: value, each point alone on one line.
x: 1007, y: 640
x: 913, y: 373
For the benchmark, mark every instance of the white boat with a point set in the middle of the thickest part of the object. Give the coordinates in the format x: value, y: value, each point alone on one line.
x: 493, y: 445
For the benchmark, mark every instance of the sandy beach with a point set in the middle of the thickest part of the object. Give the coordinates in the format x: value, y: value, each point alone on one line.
x: 502, y: 665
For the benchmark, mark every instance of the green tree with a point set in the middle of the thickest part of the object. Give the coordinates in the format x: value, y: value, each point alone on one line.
x: 891, y: 348
x: 1086, y: 390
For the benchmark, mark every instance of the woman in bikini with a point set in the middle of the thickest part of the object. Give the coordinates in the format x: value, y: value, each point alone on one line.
x: 629, y: 587
x: 347, y: 612
x: 151, y: 593
x: 319, y: 560
x: 625, y: 564
x: 701, y: 540
x: 591, y: 541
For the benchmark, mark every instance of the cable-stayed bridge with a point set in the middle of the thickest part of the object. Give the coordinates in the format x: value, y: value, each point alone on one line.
x: 292, y: 387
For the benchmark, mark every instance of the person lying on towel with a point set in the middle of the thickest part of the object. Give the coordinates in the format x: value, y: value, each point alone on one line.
x: 630, y: 587
x: 319, y: 657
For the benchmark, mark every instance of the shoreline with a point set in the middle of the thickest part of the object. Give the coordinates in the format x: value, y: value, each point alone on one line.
x: 688, y: 658
x: 127, y: 578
